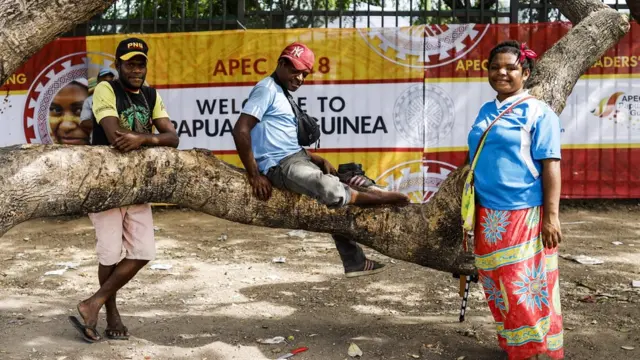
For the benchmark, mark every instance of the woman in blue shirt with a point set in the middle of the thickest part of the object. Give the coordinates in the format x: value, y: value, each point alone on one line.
x: 517, y: 231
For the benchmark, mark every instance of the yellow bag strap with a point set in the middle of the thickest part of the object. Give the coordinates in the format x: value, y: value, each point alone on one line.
x: 484, y: 134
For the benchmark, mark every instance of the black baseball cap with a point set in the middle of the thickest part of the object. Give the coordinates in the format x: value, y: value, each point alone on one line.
x: 131, y: 47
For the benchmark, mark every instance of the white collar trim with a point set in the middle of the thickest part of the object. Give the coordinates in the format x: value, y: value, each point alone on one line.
x: 511, y: 99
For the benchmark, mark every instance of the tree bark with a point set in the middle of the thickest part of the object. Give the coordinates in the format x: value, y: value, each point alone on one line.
x: 27, y: 25
x: 598, y: 29
x: 49, y: 180
x: 577, y: 10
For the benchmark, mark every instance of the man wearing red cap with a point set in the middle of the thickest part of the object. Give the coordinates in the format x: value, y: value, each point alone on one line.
x: 266, y: 137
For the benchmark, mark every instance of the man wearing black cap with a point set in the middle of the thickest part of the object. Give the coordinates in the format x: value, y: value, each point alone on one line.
x: 125, y: 112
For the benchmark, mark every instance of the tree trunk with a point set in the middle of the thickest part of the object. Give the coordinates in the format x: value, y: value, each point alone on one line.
x: 39, y: 180
x: 28, y: 25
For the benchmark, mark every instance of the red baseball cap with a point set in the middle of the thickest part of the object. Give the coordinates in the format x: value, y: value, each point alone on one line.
x: 300, y: 56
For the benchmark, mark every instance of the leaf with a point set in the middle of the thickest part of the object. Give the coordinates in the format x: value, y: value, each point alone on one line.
x: 354, y: 350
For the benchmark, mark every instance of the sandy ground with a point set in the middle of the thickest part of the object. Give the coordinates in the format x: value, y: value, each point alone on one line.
x: 220, y: 296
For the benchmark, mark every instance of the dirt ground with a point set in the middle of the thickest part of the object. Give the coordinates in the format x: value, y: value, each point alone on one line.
x: 221, y: 295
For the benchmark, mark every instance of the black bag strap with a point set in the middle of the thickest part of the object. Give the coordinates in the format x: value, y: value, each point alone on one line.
x: 297, y: 111
x: 294, y: 106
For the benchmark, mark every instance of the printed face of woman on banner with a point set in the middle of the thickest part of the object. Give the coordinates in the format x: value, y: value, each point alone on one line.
x: 64, y: 115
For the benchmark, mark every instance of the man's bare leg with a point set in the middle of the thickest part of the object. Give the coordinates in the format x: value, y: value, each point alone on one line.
x: 120, y: 276
x: 115, y: 327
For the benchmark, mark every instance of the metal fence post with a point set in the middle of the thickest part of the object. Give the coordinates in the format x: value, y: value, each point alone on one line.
x: 240, y: 16
x: 514, y: 6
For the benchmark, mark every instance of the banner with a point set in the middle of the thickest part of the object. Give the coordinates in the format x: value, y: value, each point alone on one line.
x: 400, y: 101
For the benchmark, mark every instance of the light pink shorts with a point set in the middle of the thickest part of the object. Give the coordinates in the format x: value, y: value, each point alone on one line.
x: 129, y: 226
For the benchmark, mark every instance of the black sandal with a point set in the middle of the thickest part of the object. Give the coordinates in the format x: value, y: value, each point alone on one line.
x: 83, y: 330
x: 109, y: 334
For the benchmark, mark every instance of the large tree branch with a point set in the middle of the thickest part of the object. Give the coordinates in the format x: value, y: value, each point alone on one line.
x: 599, y: 28
x: 577, y: 10
x: 26, y: 26
x: 40, y: 180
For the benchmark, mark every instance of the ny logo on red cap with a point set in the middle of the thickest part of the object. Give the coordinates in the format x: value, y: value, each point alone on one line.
x: 297, y: 51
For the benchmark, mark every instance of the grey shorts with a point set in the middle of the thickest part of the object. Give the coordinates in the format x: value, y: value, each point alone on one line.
x: 297, y: 173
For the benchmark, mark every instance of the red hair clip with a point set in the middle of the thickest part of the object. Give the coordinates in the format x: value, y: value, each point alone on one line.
x: 526, y: 53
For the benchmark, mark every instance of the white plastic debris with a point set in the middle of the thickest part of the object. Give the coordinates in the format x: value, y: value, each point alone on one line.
x: 583, y: 259
x: 161, y: 266
x: 354, y: 350
x: 635, y: 283
x: 68, y: 265
x: 627, y: 348
x: 223, y: 237
x: 55, y: 272
x: 279, y: 260
x: 272, y: 341
x: 297, y: 233
x: 616, y: 243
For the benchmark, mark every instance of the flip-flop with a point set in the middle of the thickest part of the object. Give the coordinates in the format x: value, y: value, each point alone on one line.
x: 117, y: 337
x: 83, y: 330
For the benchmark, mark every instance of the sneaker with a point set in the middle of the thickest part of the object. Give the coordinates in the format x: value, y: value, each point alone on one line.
x: 370, y: 267
x: 353, y: 175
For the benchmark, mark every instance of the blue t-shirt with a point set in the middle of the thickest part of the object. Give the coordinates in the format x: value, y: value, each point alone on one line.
x: 508, y: 175
x: 276, y: 134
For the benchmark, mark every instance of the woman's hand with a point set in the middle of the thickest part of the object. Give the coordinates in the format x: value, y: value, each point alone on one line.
x: 551, y: 233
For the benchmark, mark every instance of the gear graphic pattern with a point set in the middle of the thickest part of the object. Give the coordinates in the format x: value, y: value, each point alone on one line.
x: 424, y: 114
x: 54, y: 77
x: 418, y: 179
x: 424, y: 46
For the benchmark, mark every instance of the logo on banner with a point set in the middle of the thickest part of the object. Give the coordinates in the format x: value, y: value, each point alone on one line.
x: 418, y: 179
x: 55, y: 98
x: 620, y: 108
x: 423, y: 115
x: 424, y: 46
